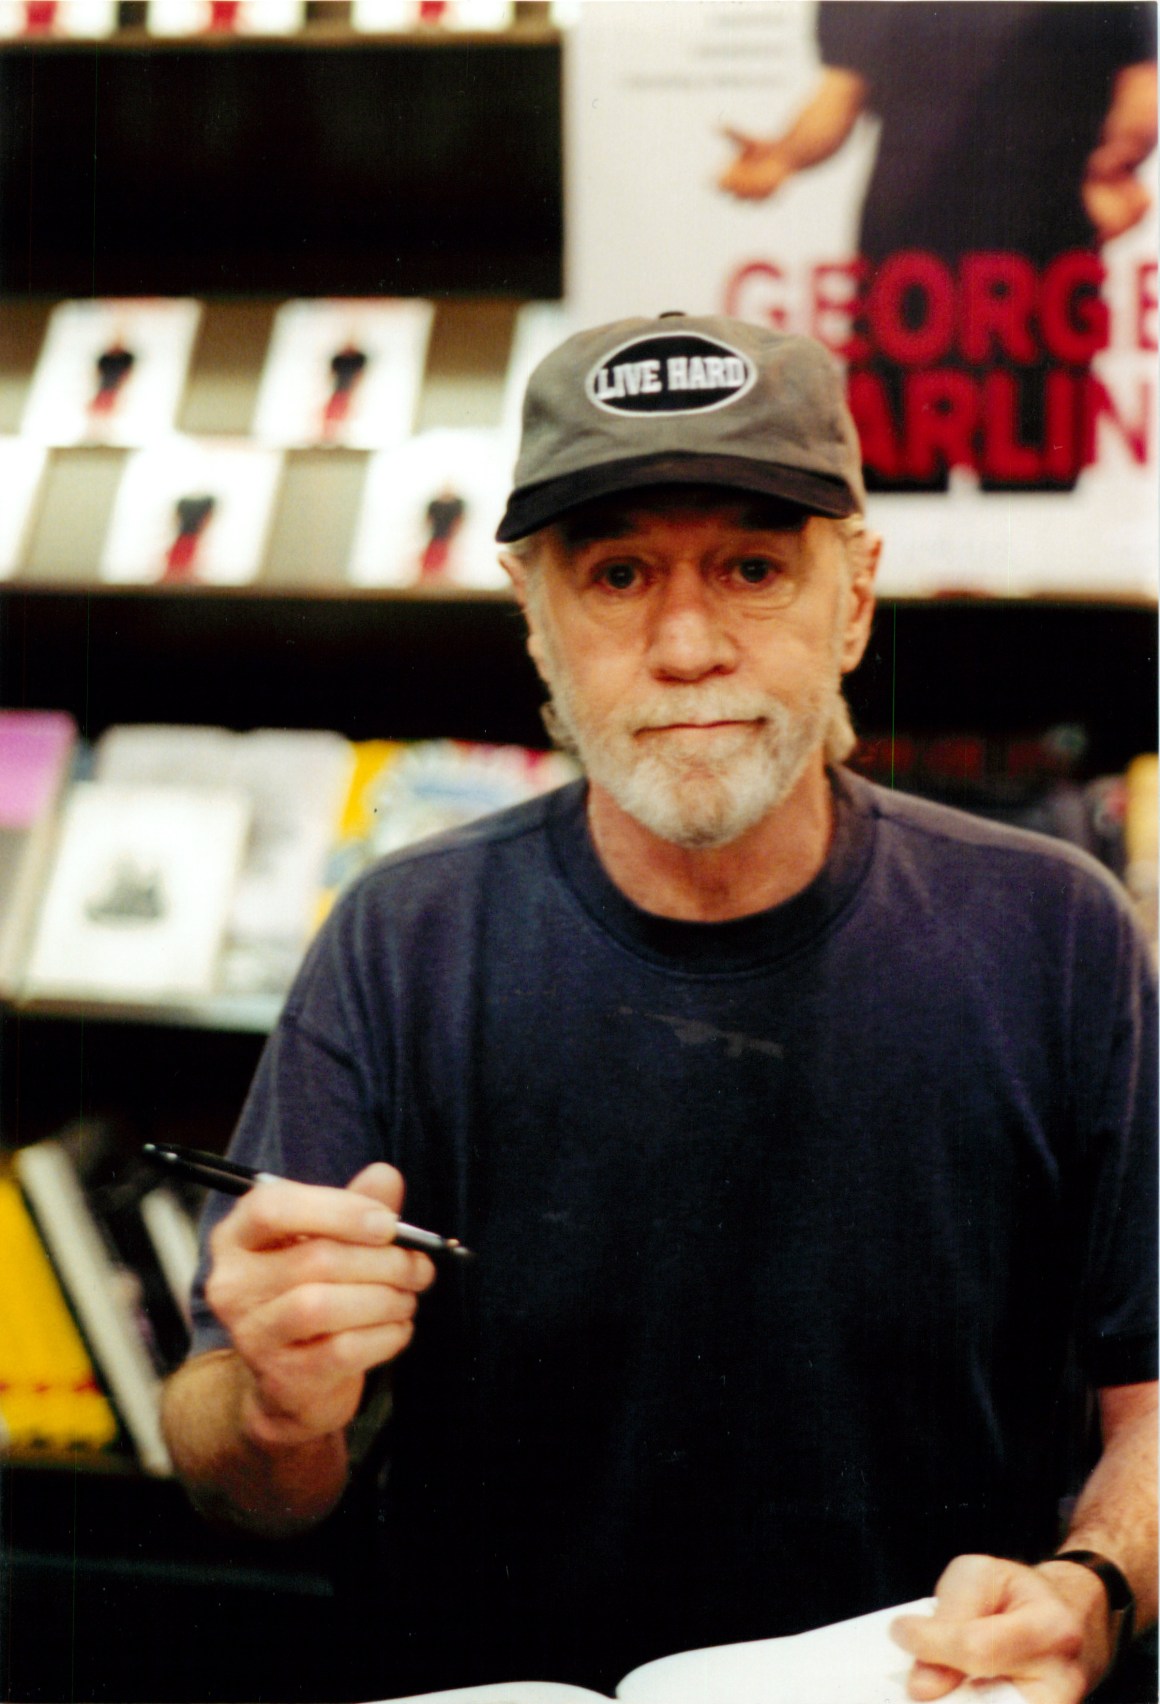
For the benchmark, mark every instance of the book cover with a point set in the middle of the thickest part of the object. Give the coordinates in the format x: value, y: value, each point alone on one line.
x: 22, y: 467
x: 39, y: 18
x: 848, y: 1662
x: 403, y: 791
x: 429, y: 512
x: 539, y: 327
x: 36, y: 753
x: 139, y: 893
x: 295, y: 782
x: 192, y: 511
x: 147, y: 1230
x: 96, y: 1286
x: 343, y: 372
x: 50, y: 1398
x: 111, y: 371
x: 383, y: 16
x: 240, y: 17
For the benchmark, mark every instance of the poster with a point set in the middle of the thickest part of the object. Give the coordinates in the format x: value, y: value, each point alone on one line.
x: 429, y: 512
x: 40, y: 18
x: 111, y: 371
x: 343, y: 372
x: 245, y: 17
x: 192, y: 512
x: 1000, y: 362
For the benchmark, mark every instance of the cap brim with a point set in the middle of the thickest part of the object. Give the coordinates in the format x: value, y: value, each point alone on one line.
x: 534, y: 506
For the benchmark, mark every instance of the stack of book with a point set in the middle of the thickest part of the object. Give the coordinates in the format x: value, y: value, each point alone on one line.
x: 193, y: 864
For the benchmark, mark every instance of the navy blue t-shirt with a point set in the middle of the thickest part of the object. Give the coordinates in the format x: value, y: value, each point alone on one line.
x: 801, y: 1237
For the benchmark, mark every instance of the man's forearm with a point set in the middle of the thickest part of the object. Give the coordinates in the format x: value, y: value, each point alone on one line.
x: 824, y: 124
x: 1116, y: 1514
x: 277, y: 1489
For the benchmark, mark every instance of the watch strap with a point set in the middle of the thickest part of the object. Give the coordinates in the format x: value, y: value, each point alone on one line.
x: 1121, y: 1598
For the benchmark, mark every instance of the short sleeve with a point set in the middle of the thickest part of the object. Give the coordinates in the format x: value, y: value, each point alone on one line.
x: 1115, y: 1033
x: 853, y: 35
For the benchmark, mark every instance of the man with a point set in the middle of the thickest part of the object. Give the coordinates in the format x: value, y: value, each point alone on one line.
x: 801, y: 1129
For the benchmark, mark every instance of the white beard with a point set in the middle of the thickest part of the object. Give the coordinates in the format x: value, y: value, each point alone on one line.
x: 697, y: 792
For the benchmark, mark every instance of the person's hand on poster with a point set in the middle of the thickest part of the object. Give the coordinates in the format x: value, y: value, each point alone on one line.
x: 757, y: 170
x: 1113, y: 195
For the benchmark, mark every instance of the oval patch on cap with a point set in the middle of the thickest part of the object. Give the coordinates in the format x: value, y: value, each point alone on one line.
x: 679, y: 372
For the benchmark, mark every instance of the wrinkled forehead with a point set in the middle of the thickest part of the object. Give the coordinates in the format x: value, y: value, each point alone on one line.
x: 631, y: 512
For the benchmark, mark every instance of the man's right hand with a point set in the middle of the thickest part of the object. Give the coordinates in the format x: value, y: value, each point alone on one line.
x: 758, y: 169
x: 307, y: 1281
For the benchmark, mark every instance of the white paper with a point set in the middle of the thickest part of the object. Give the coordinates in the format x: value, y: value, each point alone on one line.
x: 139, y: 893
x: 252, y: 17
x: 67, y: 18
x: 429, y: 512
x: 383, y: 16
x: 192, y: 511
x: 144, y: 345
x: 21, y: 470
x: 343, y: 372
x: 849, y: 1662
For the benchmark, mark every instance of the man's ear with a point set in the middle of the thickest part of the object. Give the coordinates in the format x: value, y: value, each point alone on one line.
x: 860, y: 602
x: 516, y: 569
x: 517, y: 572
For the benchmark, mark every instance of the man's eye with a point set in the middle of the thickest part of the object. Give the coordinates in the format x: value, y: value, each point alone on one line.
x: 619, y: 576
x: 756, y: 570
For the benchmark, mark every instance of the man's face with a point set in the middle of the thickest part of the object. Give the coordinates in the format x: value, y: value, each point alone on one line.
x: 694, y: 649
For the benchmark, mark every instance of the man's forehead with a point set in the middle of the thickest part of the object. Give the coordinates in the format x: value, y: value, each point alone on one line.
x: 631, y: 512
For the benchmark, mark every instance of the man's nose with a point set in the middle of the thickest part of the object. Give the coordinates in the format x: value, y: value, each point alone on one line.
x: 689, y: 635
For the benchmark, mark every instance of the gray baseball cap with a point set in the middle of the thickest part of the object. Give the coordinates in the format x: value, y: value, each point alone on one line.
x: 684, y: 400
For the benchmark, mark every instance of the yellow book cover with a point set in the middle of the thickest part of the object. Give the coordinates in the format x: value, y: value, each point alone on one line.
x: 49, y: 1395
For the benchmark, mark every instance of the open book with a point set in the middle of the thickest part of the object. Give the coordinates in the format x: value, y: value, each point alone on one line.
x: 850, y: 1662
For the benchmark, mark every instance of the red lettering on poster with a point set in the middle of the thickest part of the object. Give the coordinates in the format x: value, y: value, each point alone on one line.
x: 942, y: 414
x: 1146, y: 305
x: 910, y: 308
x: 1072, y: 314
x: 871, y: 410
x: 997, y: 307
x: 754, y: 292
x: 832, y: 316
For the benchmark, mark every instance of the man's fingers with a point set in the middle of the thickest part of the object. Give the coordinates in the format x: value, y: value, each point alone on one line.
x: 382, y: 1183
x: 928, y: 1681
x: 970, y: 1586
x: 253, y: 1278
x: 314, y: 1311
x: 988, y: 1646
x: 738, y: 138
x: 276, y: 1212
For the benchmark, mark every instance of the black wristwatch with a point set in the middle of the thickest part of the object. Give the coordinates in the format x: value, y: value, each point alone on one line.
x: 1121, y: 1599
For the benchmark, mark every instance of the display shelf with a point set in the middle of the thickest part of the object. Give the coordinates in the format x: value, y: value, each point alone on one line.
x: 420, y: 666
x: 249, y: 1014
x: 282, y: 167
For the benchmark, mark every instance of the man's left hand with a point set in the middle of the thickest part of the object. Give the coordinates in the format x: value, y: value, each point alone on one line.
x: 1043, y: 1629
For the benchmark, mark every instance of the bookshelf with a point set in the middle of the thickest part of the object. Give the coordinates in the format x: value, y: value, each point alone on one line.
x: 244, y: 172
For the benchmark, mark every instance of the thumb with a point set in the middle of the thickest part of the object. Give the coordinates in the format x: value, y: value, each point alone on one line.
x: 973, y: 1586
x: 382, y: 1183
x: 738, y: 137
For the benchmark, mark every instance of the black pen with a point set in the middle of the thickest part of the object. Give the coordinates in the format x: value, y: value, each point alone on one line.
x: 229, y: 1178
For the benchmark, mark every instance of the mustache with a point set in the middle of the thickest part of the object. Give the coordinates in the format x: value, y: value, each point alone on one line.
x: 699, y: 710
